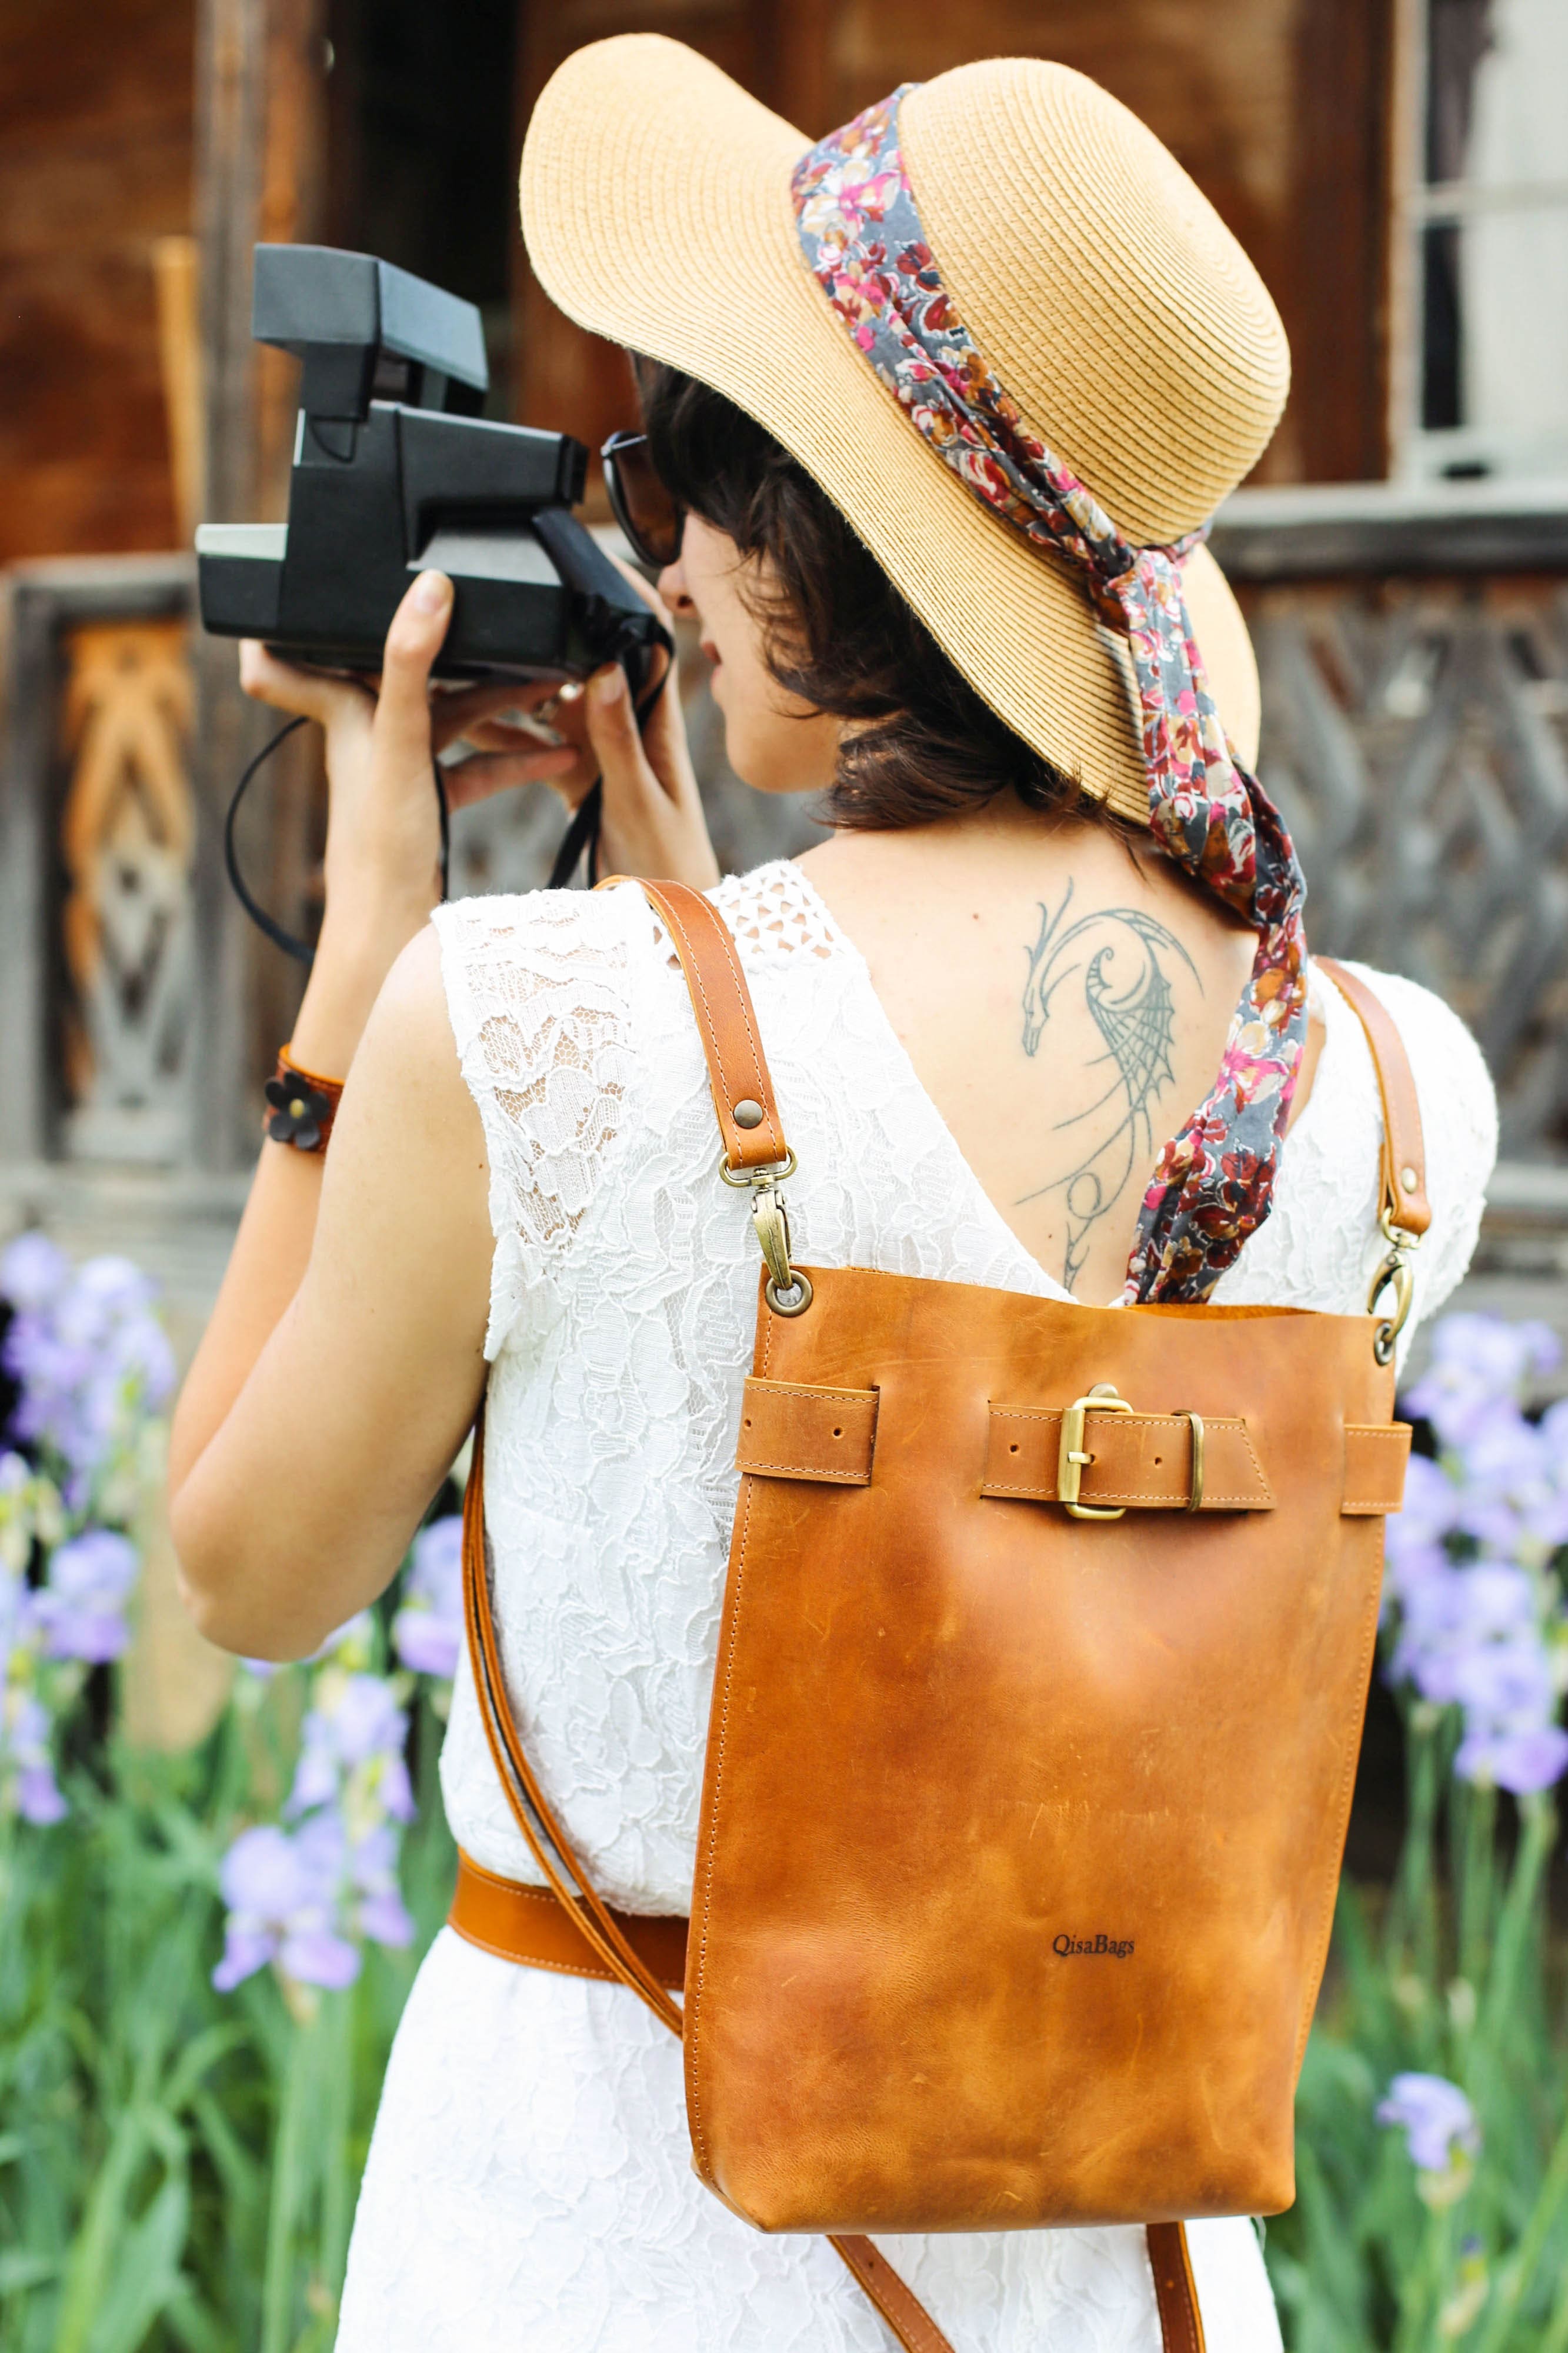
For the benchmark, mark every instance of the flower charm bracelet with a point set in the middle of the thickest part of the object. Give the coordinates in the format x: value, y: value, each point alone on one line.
x: 301, y: 1106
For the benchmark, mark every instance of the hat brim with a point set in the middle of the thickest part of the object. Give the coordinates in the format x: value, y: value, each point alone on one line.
x: 657, y: 211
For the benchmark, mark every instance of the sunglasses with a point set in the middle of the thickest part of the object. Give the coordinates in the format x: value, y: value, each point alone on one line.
x: 650, y: 517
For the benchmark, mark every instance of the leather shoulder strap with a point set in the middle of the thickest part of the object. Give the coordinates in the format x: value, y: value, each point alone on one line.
x: 1403, y: 1150
x: 743, y: 1096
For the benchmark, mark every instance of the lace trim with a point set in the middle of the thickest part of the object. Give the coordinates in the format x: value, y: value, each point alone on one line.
x: 536, y: 993
x: 775, y: 914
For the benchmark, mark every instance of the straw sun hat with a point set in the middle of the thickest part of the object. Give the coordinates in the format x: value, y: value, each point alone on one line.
x: 1103, y: 289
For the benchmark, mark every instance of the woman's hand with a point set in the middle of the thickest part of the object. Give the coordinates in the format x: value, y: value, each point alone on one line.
x: 653, y: 822
x: 383, y: 854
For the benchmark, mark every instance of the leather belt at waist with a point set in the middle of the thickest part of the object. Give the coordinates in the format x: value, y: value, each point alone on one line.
x: 532, y: 1926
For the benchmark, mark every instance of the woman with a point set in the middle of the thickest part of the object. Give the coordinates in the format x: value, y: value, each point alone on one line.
x: 988, y: 1000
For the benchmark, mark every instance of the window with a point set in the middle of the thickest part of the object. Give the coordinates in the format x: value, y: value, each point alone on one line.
x: 1489, y: 215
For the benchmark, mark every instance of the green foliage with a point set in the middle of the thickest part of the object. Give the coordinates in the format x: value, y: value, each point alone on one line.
x: 178, y: 2168
x: 1450, y: 1973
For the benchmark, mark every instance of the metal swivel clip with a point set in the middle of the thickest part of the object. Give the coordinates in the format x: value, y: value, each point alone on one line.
x: 788, y: 1288
x: 1395, y: 1274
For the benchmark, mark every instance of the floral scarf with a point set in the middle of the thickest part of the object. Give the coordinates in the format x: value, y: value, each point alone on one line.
x: 861, y: 232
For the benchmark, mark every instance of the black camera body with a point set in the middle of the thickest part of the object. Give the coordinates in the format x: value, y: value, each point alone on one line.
x: 383, y: 488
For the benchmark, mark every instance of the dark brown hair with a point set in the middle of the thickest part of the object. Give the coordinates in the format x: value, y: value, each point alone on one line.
x: 922, y: 743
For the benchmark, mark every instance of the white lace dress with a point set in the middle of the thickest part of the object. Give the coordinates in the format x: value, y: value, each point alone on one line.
x: 528, y: 2184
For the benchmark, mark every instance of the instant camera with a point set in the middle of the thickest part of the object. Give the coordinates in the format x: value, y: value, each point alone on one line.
x: 394, y: 471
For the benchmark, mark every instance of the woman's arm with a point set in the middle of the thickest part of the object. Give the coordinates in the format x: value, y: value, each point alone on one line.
x: 343, y: 1362
x: 302, y: 1502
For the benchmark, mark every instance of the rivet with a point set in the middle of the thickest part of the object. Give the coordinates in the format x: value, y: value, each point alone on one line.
x: 1409, y: 1179
x: 748, y: 1113
x: 296, y: 1107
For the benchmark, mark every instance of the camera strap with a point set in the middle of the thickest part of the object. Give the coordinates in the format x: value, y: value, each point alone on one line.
x: 300, y: 950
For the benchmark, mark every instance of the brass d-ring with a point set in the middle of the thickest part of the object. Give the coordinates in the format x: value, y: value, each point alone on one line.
x: 777, y: 1173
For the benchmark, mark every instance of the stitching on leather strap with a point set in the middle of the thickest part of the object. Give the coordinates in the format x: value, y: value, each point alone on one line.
x: 681, y: 930
x: 510, y: 1886
x: 1175, y: 2291
x: 1053, y: 1413
x: 1258, y: 1467
x: 760, y: 1469
x: 691, y: 2025
x: 1133, y: 1496
x: 560, y: 1968
x: 810, y: 1390
x: 908, y: 2318
x: 759, y: 1069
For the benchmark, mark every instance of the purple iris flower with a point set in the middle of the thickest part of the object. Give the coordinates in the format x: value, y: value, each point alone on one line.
x: 1432, y: 1634
x: 1439, y: 2122
x: 88, y: 1354
x: 80, y: 1613
x: 24, y: 1744
x: 381, y: 1912
x: 282, y: 1898
x: 1413, y: 1566
x: 1477, y: 1364
x: 357, y: 1725
x: 428, y: 1632
x: 1507, y: 1685
x: 33, y: 1271
x: 1532, y: 1757
x: 1427, y: 1511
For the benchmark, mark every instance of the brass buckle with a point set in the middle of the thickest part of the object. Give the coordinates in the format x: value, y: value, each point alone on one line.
x: 1072, y: 1460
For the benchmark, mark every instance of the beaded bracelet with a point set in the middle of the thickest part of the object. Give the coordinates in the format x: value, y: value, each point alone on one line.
x: 301, y: 1106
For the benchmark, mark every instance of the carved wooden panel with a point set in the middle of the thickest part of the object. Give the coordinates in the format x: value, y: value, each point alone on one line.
x: 1415, y: 735
x: 126, y: 843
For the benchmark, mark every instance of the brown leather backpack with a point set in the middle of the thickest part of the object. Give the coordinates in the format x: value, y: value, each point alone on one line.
x: 1046, y: 1646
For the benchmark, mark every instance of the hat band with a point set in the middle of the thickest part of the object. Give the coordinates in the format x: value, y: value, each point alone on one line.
x: 859, y: 229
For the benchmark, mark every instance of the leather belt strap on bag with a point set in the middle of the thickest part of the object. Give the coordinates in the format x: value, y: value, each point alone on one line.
x: 1138, y: 1462
x: 518, y: 1923
x: 592, y: 1940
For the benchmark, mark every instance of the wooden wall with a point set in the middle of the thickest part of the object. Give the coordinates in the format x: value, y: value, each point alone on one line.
x: 1278, y: 108
x: 95, y: 164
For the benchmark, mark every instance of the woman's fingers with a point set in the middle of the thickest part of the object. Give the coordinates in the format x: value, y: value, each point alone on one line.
x: 653, y: 822
x: 403, y: 717
x: 483, y: 774
x: 459, y: 714
x: 309, y: 693
x: 612, y: 727
x: 664, y: 739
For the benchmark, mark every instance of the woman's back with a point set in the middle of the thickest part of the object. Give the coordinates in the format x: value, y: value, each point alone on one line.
x: 1064, y: 991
